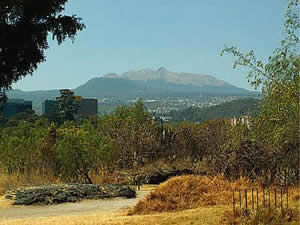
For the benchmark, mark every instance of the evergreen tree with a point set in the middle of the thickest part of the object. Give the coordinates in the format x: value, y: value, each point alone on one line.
x: 66, y: 105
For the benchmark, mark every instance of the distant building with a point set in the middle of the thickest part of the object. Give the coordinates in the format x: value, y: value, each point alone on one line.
x: 14, y: 106
x: 87, y: 107
x: 245, y: 120
x: 48, y: 108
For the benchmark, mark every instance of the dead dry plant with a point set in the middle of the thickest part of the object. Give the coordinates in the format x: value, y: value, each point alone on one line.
x: 186, y: 192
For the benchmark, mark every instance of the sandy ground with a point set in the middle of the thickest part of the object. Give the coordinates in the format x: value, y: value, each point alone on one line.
x: 9, y: 212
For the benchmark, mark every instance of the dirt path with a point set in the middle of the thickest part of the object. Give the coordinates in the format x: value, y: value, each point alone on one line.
x: 70, y: 209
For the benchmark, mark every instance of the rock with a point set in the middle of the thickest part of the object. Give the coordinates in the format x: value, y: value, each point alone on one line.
x: 160, y: 176
x: 154, y: 177
x: 55, y: 194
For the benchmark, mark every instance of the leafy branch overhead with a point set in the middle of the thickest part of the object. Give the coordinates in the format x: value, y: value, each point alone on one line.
x: 24, y: 28
x: 279, y: 78
x: 283, y: 66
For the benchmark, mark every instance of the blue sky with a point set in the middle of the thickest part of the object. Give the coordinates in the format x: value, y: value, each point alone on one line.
x: 181, y: 35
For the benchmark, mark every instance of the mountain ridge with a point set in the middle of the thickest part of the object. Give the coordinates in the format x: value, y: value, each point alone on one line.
x: 145, y: 83
x: 162, y: 73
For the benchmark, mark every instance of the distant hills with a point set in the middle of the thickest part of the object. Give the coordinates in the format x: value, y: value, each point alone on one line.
x: 153, y: 83
x: 144, y: 83
x: 235, y: 108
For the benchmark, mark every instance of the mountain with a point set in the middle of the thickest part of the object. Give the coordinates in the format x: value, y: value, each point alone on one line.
x: 142, y: 83
x: 153, y: 83
x: 175, y: 78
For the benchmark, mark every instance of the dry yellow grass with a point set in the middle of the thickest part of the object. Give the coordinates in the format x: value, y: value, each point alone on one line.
x: 16, y: 180
x: 201, y: 216
x: 186, y: 192
x: 4, y: 203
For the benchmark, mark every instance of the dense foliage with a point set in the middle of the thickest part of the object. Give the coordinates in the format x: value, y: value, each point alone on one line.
x: 66, y: 106
x: 131, y: 139
x: 24, y: 29
x: 277, y: 126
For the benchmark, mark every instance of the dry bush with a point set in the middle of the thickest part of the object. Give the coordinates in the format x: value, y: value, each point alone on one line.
x: 294, y: 193
x: 186, y: 192
x: 12, y: 181
x: 107, y: 177
x: 262, y: 216
x: 266, y: 216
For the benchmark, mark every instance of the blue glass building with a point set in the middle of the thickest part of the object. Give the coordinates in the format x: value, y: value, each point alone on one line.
x: 14, y: 106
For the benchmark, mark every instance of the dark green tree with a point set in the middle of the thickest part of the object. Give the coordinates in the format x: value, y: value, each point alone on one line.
x: 133, y: 133
x: 24, y: 28
x: 79, y: 151
x: 3, y: 99
x: 66, y: 105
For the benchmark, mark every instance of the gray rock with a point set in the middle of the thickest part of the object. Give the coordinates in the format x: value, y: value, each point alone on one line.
x: 156, y: 176
x: 55, y: 194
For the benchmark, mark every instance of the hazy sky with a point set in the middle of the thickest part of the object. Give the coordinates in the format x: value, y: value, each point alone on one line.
x: 181, y: 35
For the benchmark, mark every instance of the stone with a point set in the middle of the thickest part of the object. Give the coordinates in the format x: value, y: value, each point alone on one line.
x: 160, y: 176
x: 55, y: 194
x: 154, y: 177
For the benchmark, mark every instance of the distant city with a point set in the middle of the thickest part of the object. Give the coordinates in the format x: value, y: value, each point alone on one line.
x: 163, y: 105
x: 93, y: 106
x: 159, y: 106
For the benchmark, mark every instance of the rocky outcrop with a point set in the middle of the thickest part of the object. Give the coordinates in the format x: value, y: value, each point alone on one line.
x: 160, y: 176
x: 55, y: 194
x: 156, y: 176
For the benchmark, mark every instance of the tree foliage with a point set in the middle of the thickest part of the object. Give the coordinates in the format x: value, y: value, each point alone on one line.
x: 19, y: 146
x: 277, y: 127
x: 24, y: 28
x: 133, y: 132
x: 79, y: 151
x: 66, y: 105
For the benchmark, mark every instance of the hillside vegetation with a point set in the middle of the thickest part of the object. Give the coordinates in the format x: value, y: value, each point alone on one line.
x: 235, y: 108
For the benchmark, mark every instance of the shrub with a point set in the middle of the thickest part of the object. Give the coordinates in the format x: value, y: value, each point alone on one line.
x: 186, y: 192
x: 78, y: 152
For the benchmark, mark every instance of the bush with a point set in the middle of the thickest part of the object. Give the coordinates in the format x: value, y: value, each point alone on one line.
x: 186, y: 192
x: 78, y: 151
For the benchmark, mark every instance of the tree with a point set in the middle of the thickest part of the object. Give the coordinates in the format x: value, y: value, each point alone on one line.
x: 19, y: 146
x: 213, y: 135
x: 277, y: 126
x: 78, y: 151
x: 66, y: 105
x: 2, y: 102
x: 133, y: 133
x: 24, y: 28
x: 186, y: 144
x: 243, y: 156
x: 3, y: 99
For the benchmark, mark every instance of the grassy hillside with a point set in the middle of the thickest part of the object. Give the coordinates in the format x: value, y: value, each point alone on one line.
x: 234, y: 108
